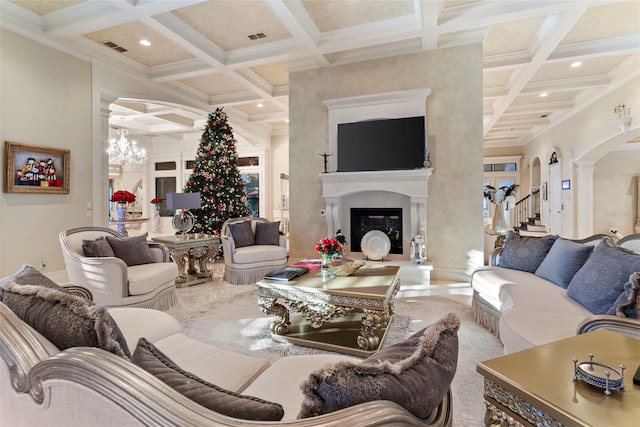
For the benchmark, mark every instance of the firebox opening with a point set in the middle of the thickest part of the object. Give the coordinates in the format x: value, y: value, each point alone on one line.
x: 387, y: 220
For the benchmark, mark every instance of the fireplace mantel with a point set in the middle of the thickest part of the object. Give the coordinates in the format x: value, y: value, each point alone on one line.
x: 411, y: 183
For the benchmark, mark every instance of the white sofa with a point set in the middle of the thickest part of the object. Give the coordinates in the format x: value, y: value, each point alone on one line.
x: 82, y: 386
x: 248, y: 264
x: 525, y: 310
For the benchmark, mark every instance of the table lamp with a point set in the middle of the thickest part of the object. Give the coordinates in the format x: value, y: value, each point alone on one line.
x: 183, y: 220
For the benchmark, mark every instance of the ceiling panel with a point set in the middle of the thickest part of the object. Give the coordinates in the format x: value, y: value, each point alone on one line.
x: 497, y: 78
x: 589, y: 67
x: 601, y: 22
x: 42, y: 8
x: 214, y: 84
x: 274, y: 74
x: 510, y: 37
x: 526, y: 99
x: 338, y: 15
x: 229, y: 23
x: 128, y: 36
x: 253, y: 109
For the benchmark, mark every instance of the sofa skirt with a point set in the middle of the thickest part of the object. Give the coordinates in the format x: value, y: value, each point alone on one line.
x: 485, y: 315
x: 162, y: 301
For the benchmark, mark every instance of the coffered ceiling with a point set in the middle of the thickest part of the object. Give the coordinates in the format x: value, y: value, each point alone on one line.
x: 237, y: 53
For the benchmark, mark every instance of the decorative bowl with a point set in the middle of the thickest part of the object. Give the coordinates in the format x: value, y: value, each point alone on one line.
x: 346, y: 269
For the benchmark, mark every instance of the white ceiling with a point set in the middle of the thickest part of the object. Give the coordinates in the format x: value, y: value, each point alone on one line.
x: 203, y: 48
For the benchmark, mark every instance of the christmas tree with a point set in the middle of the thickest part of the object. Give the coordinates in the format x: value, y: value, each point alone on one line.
x: 217, y: 178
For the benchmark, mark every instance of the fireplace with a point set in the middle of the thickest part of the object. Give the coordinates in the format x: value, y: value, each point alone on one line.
x: 387, y: 220
x: 406, y: 190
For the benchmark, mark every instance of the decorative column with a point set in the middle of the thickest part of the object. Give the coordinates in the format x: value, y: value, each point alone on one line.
x: 584, y: 194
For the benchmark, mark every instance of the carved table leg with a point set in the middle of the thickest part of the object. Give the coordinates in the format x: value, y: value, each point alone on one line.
x: 179, y: 256
x: 367, y: 340
x: 200, y: 254
x: 268, y: 306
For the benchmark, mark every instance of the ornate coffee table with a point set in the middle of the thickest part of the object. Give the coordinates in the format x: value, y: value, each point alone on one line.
x: 344, y: 314
x: 536, y: 386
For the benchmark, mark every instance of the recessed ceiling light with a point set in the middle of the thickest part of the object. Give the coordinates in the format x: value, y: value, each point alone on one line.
x: 145, y: 42
x: 576, y: 64
x: 286, y: 120
x: 543, y: 94
x: 259, y: 105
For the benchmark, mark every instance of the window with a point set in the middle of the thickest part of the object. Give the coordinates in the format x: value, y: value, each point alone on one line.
x: 251, y: 183
x: 164, y: 185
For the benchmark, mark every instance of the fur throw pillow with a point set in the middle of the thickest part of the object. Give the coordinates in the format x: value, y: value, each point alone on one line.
x: 415, y: 374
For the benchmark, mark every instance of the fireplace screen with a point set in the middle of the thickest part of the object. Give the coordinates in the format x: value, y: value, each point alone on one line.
x: 387, y: 220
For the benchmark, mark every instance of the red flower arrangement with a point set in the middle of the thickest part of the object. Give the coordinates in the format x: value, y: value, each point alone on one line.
x: 157, y: 200
x: 123, y: 196
x: 328, y: 246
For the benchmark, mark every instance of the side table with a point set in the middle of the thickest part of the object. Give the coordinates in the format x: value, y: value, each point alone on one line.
x: 191, y: 252
x: 536, y: 386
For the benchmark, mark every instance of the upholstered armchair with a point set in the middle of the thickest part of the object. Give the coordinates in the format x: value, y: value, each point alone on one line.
x: 252, y: 247
x: 126, y: 278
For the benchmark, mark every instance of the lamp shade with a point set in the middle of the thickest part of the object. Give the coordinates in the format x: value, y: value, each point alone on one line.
x: 183, y: 201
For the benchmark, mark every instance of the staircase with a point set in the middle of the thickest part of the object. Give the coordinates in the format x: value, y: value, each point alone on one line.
x: 525, y: 215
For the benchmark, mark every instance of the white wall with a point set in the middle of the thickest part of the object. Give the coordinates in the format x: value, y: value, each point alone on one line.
x: 616, y: 192
x: 45, y: 101
x: 454, y: 114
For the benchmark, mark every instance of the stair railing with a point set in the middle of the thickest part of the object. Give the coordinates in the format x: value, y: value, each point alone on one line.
x: 525, y: 209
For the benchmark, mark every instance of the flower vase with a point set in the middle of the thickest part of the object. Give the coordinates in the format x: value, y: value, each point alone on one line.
x: 326, y: 260
x: 121, y: 210
x: 500, y: 222
x: 156, y: 218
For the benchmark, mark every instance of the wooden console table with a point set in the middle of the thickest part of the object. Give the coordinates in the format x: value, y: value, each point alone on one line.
x: 187, y: 250
x: 536, y: 386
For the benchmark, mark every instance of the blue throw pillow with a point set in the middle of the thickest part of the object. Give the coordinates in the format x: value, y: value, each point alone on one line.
x: 625, y: 305
x: 563, y: 261
x: 523, y: 252
x: 600, y: 281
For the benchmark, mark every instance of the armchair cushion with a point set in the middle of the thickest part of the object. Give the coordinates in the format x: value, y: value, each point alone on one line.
x: 415, y: 374
x: 66, y: 320
x: 144, y: 278
x: 132, y: 250
x: 215, y: 398
x: 99, y: 247
x: 268, y: 233
x: 242, y: 234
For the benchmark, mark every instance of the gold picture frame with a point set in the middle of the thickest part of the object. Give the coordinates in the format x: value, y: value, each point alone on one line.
x: 36, y: 169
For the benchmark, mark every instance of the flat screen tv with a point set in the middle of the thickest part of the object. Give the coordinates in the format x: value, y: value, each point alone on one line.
x: 387, y: 144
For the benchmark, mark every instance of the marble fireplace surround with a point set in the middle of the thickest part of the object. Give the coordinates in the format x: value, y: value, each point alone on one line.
x: 405, y: 189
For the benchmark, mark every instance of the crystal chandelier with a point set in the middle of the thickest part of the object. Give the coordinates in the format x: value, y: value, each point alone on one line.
x: 122, y: 151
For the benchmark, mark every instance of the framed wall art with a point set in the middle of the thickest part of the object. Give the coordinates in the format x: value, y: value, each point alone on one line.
x: 35, y: 169
x: 566, y: 184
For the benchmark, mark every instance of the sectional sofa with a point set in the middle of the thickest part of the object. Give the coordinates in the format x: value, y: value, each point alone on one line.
x: 542, y: 289
x: 67, y: 361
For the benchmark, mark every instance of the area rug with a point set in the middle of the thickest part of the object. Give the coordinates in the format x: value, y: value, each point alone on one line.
x: 230, y: 318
